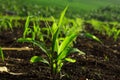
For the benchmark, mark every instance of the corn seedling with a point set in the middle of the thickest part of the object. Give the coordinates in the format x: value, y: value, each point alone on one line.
x: 106, y: 29
x: 27, y: 30
x: 33, y: 31
x: 5, y: 24
x: 116, y: 35
x: 111, y: 31
x: 97, y: 25
x: 36, y: 32
x: 57, y: 53
x: 10, y: 25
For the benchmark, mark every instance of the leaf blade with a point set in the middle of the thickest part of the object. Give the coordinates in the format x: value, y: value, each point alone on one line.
x: 38, y: 59
x: 41, y: 45
x: 66, y: 42
x: 70, y: 60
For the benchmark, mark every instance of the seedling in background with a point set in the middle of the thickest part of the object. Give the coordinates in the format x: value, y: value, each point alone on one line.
x: 34, y: 31
x: 116, y: 35
x: 27, y: 30
x: 1, y: 54
x: 112, y: 31
x: 109, y: 29
x: 88, y: 35
x: 58, y: 51
x: 10, y: 25
x: 3, y: 25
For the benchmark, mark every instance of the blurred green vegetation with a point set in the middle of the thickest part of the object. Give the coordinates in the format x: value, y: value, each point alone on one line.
x: 13, y: 13
x: 46, y: 8
x: 108, y: 13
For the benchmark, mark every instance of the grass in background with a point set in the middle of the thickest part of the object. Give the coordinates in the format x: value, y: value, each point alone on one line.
x: 53, y: 7
x: 75, y: 5
x: 45, y: 8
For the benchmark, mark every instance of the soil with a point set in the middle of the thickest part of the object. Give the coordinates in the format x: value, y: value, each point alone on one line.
x: 101, y: 62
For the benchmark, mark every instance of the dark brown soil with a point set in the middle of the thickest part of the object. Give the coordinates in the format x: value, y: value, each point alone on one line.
x: 101, y: 62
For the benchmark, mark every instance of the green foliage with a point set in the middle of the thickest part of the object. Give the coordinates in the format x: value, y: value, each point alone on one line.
x: 53, y: 7
x: 27, y: 30
x: 111, y: 29
x: 108, y: 13
x: 5, y: 24
x: 88, y: 35
x: 38, y: 59
x: 34, y: 31
x: 58, y: 51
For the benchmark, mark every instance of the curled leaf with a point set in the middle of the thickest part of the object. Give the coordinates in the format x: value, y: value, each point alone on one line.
x: 88, y: 35
x: 38, y: 59
x: 70, y: 60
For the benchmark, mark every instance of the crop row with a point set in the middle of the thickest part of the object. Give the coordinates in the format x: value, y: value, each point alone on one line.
x: 47, y: 8
x: 111, y: 29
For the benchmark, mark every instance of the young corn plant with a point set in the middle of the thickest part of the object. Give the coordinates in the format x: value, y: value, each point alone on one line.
x: 34, y: 32
x: 27, y: 30
x: 58, y: 52
x: 111, y: 31
x: 91, y: 36
x: 9, y: 24
x: 5, y: 24
x: 116, y: 35
x: 106, y: 29
x: 96, y: 25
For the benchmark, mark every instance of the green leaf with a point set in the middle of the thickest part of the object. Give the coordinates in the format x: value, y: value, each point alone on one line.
x: 55, y: 32
x: 70, y: 60
x: 116, y: 35
x: 68, y: 51
x: 24, y: 40
x: 26, y: 27
x: 66, y: 42
x: 64, y: 53
x: 41, y: 45
x: 54, y: 40
x: 92, y: 37
x: 62, y: 16
x: 1, y: 54
x: 54, y: 28
x: 38, y: 59
x: 73, y: 50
